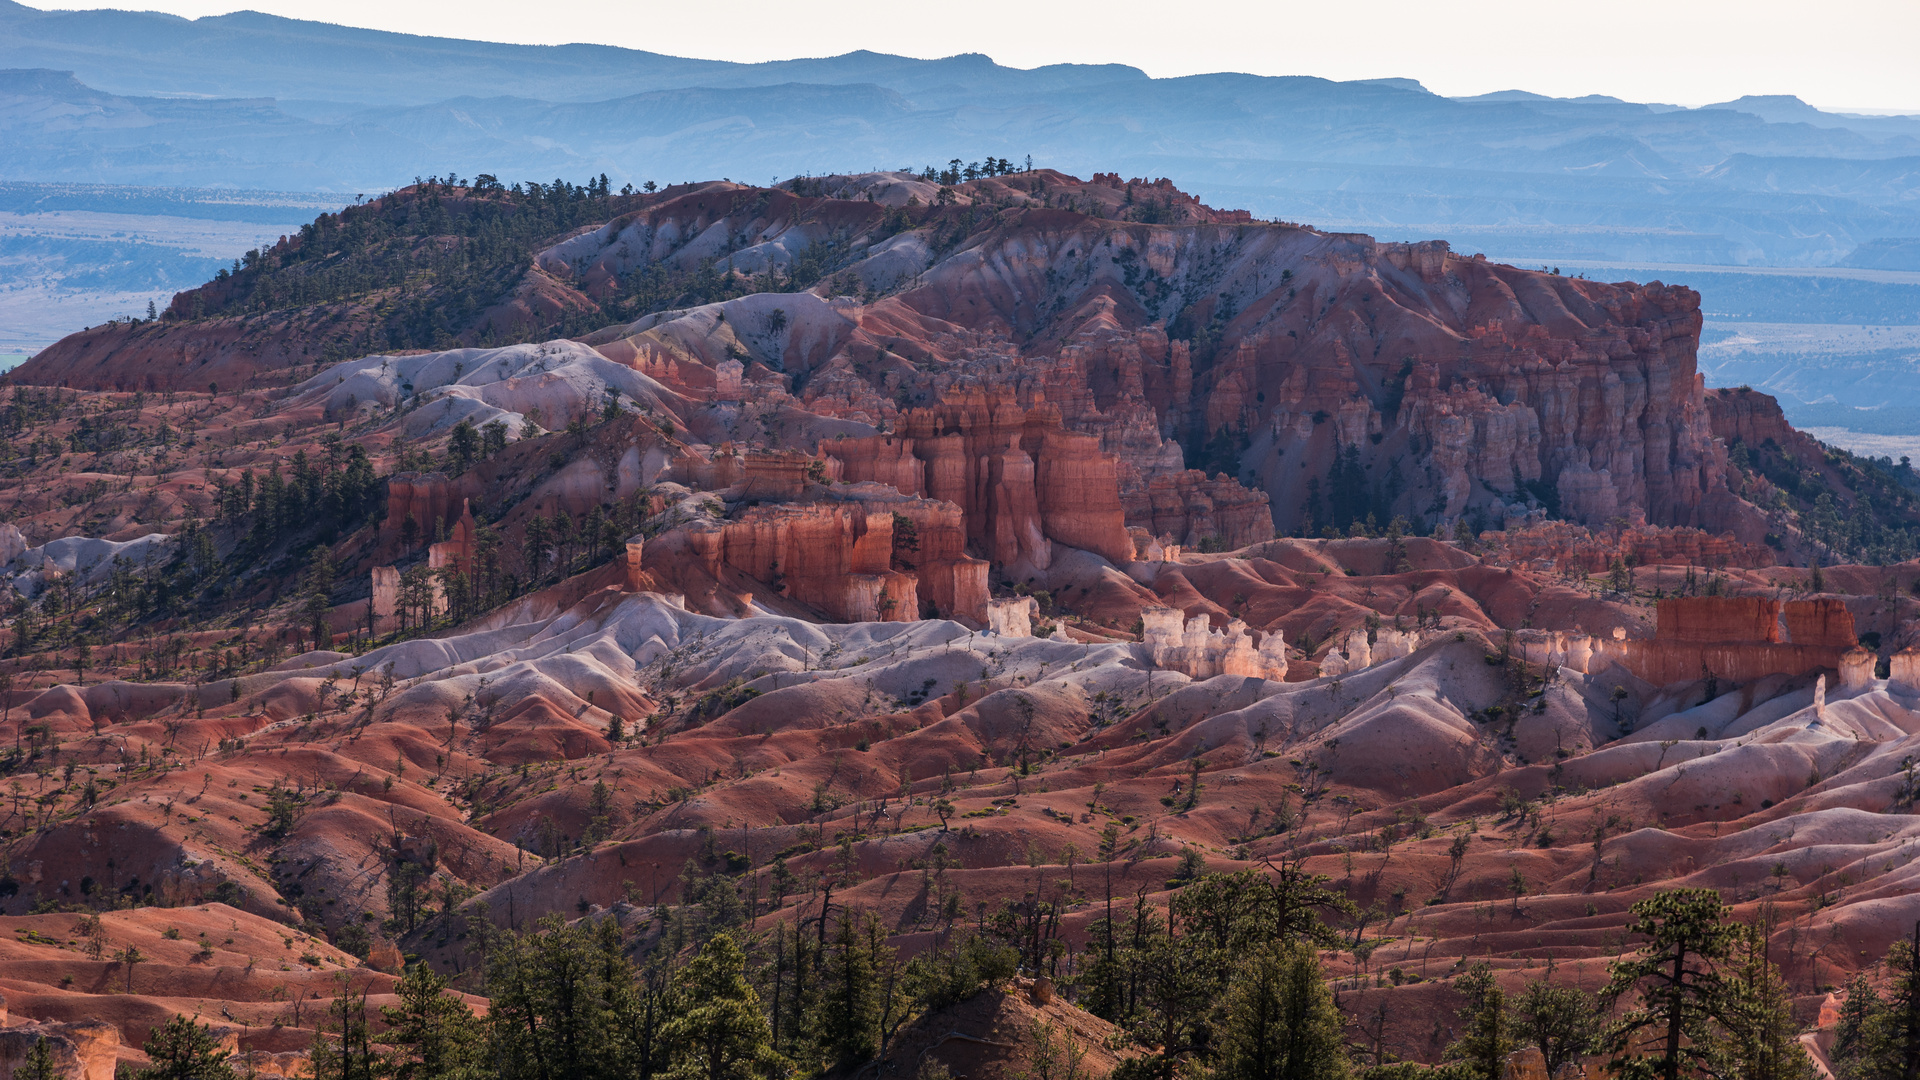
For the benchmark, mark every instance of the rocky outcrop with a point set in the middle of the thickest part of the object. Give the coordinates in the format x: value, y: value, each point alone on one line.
x: 1193, y: 648
x: 12, y: 543
x: 1735, y: 639
x: 420, y: 507
x: 1197, y: 512
x: 1728, y: 619
x: 1021, y: 481
x: 1357, y: 651
x: 1564, y: 546
x: 1747, y: 415
x: 754, y: 474
x: 833, y: 558
x: 1856, y: 669
x: 457, y: 552
x: 1903, y: 669
x: 83, y: 1050
x: 1824, y: 621
x: 858, y: 553
x: 1012, y: 616
x: 384, y: 601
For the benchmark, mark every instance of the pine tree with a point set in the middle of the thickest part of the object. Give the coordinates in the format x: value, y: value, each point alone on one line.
x: 1281, y: 1022
x: 431, y: 1034
x: 1488, y: 1041
x: 39, y: 1063
x: 718, y: 1031
x: 1861, y: 1004
x: 343, y: 1042
x: 1677, y: 978
x: 1562, y: 1022
x: 559, y: 998
x: 1762, y: 1035
x: 849, y: 1002
x: 181, y: 1049
x: 1879, y: 1039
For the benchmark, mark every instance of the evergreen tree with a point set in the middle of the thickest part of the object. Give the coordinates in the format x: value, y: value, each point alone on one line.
x: 718, y: 1031
x: 1281, y: 1023
x: 181, y: 1049
x: 431, y: 1034
x: 343, y: 1042
x: 1879, y: 1039
x: 319, y: 588
x: 849, y: 1002
x: 1762, y: 1040
x: 562, y: 1003
x: 1484, y: 1049
x: 464, y: 447
x: 1862, y: 1003
x: 1562, y: 1022
x: 1680, y: 988
x: 39, y: 1063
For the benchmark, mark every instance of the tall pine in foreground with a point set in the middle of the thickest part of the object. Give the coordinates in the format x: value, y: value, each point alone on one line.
x: 1682, y: 996
x: 431, y: 1034
x: 718, y: 1031
x: 565, y: 1005
x: 181, y: 1049
x: 1762, y: 1037
x: 1281, y: 1020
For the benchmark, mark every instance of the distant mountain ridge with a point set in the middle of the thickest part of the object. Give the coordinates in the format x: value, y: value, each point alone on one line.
x: 253, y: 100
x: 251, y: 54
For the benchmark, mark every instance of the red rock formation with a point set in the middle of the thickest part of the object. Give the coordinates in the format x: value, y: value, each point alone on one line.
x: 1741, y: 619
x: 758, y: 474
x: 1746, y: 415
x: 1196, y: 511
x: 835, y: 558
x: 1821, y: 623
x: 1078, y: 494
x: 428, y: 500
x: 954, y: 582
x: 458, y: 550
x: 1565, y: 546
x: 83, y: 1050
x: 1824, y: 622
x: 1737, y: 639
x: 1663, y: 663
x: 1019, y: 479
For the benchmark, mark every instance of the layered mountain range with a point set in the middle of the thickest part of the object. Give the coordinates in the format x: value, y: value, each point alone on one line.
x: 254, y: 100
x: 1333, y: 376
x: 728, y: 557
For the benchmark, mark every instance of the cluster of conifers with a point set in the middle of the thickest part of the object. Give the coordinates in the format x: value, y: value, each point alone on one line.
x: 1225, y: 983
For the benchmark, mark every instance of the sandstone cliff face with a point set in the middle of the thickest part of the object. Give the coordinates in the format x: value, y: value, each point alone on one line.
x: 1565, y: 546
x: 1719, y: 619
x: 1200, y: 512
x: 1736, y: 639
x: 1437, y: 386
x: 1744, y: 415
x: 834, y: 558
x: 1452, y: 385
x: 852, y: 552
x: 420, y: 508
x: 1019, y: 479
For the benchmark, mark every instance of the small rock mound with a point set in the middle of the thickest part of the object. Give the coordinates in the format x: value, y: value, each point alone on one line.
x: 1008, y: 1033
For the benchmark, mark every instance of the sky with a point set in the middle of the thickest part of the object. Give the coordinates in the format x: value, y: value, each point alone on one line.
x: 1845, y: 54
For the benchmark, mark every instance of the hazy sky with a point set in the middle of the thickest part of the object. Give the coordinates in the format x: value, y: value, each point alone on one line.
x: 1836, y: 53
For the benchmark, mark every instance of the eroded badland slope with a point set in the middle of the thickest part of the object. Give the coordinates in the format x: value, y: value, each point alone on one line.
x: 929, y: 551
